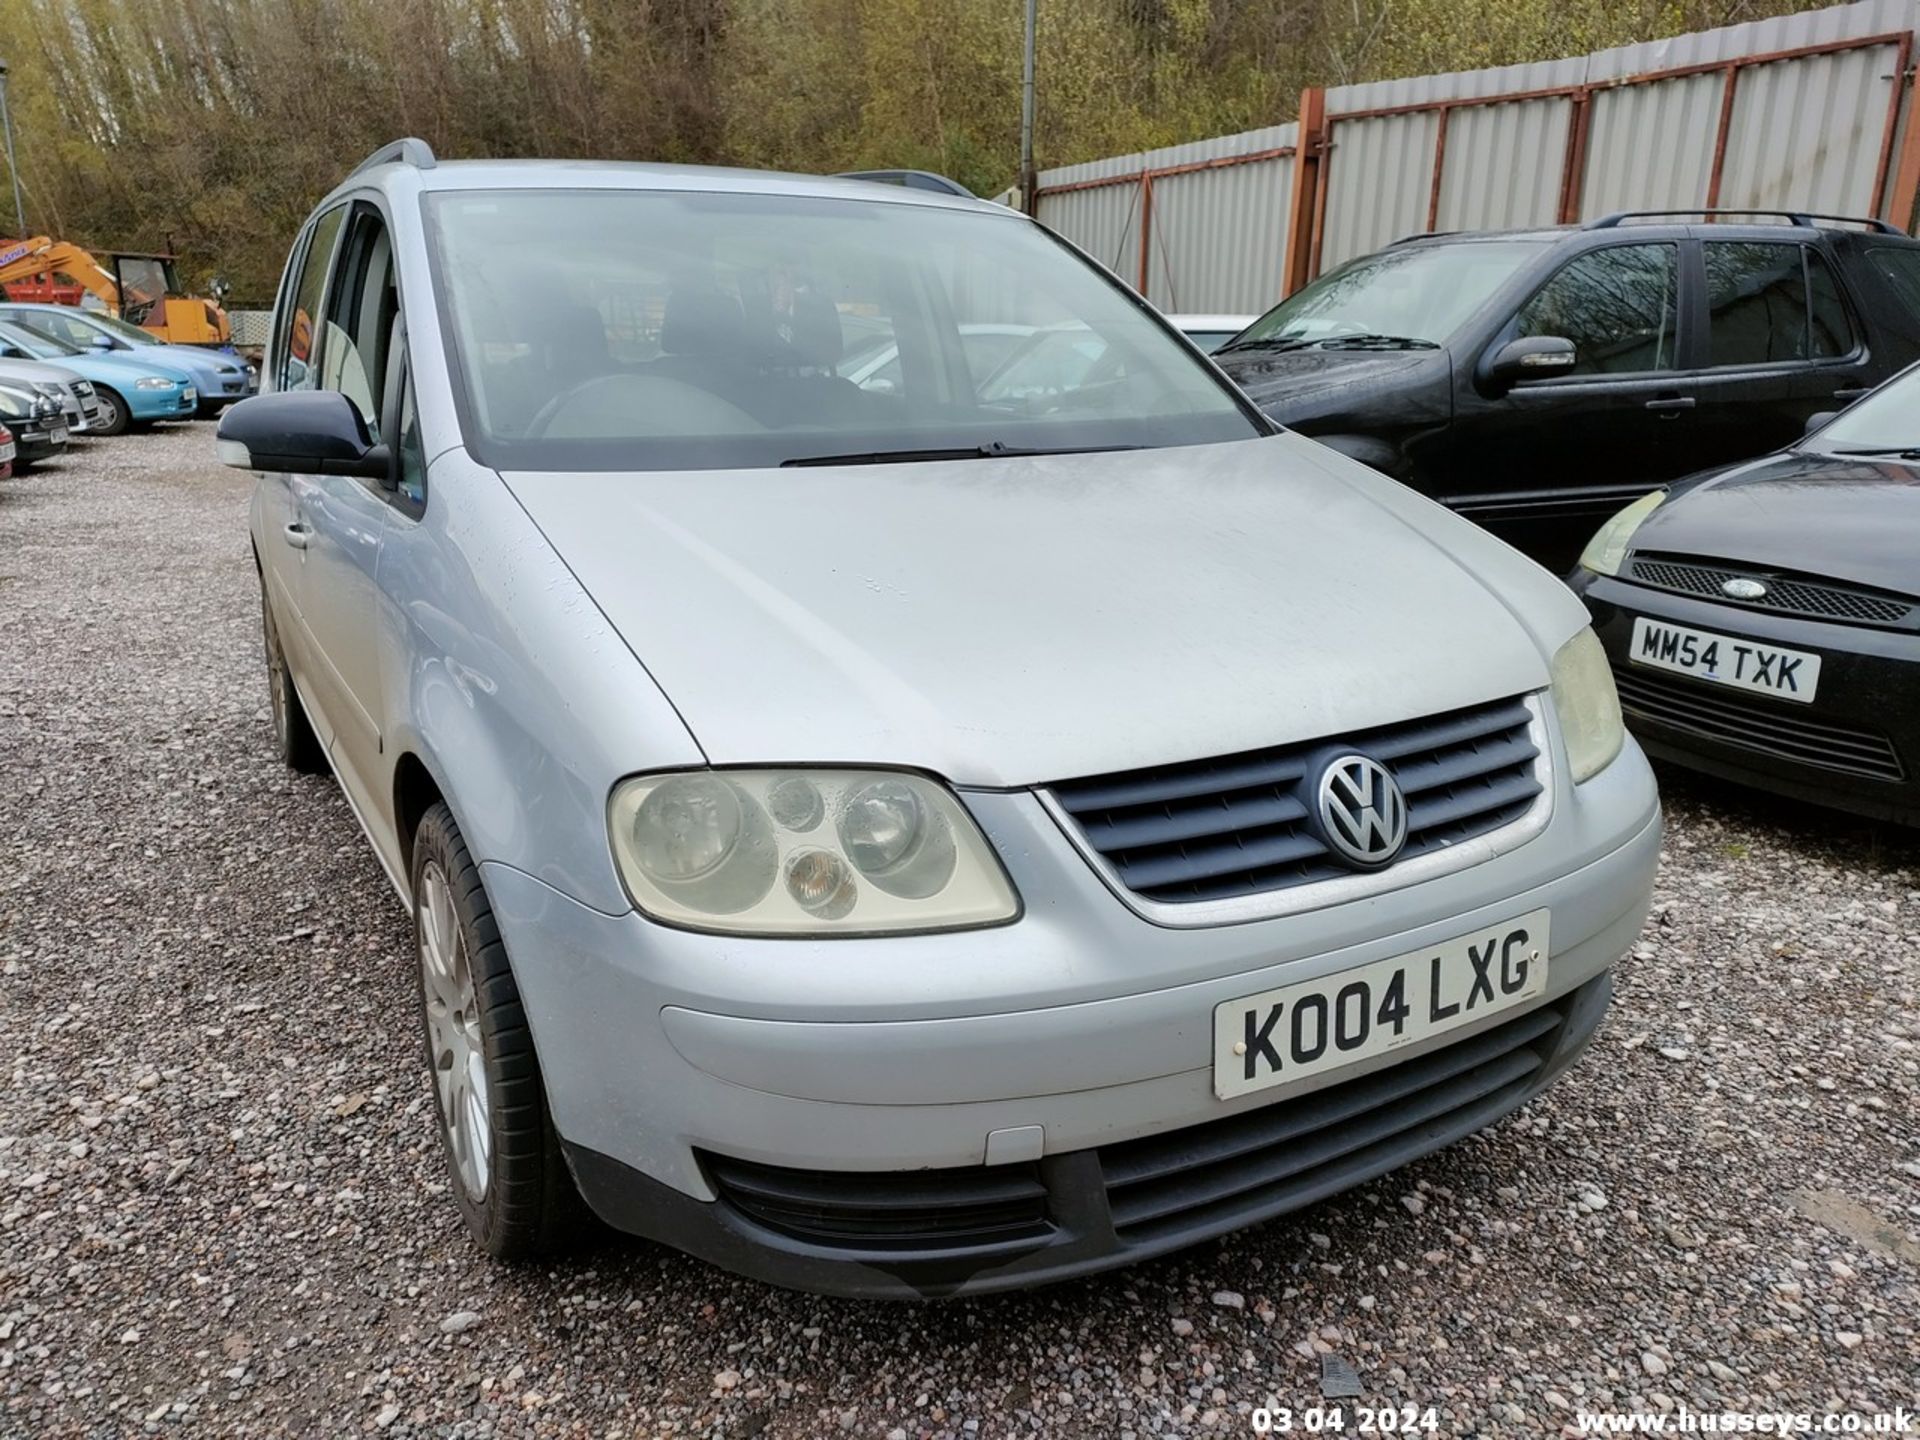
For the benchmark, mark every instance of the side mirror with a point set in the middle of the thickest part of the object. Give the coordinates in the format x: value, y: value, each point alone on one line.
x: 100, y: 342
x: 1815, y: 421
x: 1535, y: 357
x: 301, y: 432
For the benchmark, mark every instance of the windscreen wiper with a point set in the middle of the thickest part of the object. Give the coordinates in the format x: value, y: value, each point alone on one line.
x: 1270, y: 342
x: 1358, y: 340
x: 1890, y: 452
x: 992, y: 450
x: 1375, y: 342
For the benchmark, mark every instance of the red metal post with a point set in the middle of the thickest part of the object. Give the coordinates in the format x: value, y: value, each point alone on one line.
x: 1302, y: 203
x: 1902, y: 58
x: 1728, y: 88
x: 1146, y: 228
x: 1573, y: 170
x: 1320, y: 199
x: 1906, y: 181
x: 1439, y: 166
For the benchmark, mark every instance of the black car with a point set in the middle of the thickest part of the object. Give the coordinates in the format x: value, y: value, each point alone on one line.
x: 38, y: 425
x: 1536, y: 380
x: 1764, y: 621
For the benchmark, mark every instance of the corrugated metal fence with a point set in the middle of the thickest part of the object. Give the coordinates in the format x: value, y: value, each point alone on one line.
x: 1805, y: 112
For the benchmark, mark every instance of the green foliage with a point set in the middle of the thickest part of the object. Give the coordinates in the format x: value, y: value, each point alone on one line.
x: 212, y: 126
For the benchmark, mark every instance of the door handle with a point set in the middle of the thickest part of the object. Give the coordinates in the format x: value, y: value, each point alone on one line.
x: 1852, y: 392
x: 1670, y: 404
x: 295, y: 535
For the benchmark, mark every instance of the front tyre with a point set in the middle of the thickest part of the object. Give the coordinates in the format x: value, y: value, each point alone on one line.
x: 114, y: 416
x: 509, y: 1176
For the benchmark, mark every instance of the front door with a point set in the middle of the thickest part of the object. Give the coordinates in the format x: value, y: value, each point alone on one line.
x: 1545, y: 462
x: 281, y: 533
x: 346, y: 518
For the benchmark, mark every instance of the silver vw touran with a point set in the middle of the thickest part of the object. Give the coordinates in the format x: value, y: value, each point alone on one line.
x: 905, y: 782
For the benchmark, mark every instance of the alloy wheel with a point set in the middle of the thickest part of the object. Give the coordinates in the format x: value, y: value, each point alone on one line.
x: 453, y: 1032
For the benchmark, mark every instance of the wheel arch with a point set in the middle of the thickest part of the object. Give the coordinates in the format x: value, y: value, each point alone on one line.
x: 415, y: 791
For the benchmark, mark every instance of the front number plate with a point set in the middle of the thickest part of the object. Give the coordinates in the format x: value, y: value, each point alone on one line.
x: 1307, y: 1029
x: 1746, y: 664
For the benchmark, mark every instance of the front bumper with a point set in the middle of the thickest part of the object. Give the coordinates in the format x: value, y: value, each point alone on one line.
x: 1856, y: 747
x: 178, y: 403
x: 39, y: 439
x: 935, y: 1233
x: 673, y: 1060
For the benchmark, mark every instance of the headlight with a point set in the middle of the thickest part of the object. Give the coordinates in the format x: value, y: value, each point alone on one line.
x: 805, y: 852
x: 1609, y: 545
x: 1588, y: 706
x: 50, y: 392
x: 154, y: 382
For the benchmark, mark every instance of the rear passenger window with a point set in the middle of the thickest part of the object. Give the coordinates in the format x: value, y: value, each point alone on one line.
x: 299, y: 325
x: 1617, y: 307
x: 1900, y: 268
x: 1770, y: 302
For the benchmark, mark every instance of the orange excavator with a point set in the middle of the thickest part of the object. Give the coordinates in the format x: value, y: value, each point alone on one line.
x: 141, y: 289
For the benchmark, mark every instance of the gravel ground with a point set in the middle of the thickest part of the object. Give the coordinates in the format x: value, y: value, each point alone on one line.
x: 222, y: 1208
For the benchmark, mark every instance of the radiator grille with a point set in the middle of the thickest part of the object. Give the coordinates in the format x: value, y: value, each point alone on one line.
x: 1821, y: 599
x: 1239, y: 825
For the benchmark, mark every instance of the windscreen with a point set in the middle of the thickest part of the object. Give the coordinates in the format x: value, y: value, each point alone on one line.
x: 1413, y: 292
x: 1888, y: 420
x: 38, y: 343
x: 133, y: 334
x: 648, y: 330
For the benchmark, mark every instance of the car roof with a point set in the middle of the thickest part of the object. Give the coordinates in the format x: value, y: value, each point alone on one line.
x: 647, y: 175
x: 83, y: 313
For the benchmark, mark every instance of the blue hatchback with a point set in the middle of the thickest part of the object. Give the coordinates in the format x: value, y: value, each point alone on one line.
x: 131, y: 391
x: 218, y: 378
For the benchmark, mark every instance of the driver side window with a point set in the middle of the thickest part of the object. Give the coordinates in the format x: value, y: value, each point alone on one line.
x: 1617, y: 306
x: 361, y: 306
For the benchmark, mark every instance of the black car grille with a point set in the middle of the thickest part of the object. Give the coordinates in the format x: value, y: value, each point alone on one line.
x: 1715, y: 713
x: 1821, y: 599
x: 1293, y: 1153
x: 1213, y: 1175
x: 967, y: 1208
x: 1239, y: 825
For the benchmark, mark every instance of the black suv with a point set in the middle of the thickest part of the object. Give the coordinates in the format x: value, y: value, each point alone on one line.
x: 1537, y: 380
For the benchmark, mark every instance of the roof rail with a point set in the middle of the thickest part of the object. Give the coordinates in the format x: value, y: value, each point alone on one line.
x: 1805, y: 218
x: 911, y: 179
x: 1423, y: 235
x: 409, y: 151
